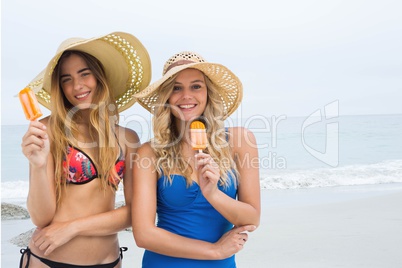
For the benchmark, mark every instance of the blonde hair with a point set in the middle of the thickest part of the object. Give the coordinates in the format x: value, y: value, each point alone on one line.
x: 166, y: 142
x: 63, y: 127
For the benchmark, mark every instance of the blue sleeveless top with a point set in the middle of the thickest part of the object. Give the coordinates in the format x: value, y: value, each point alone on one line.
x: 184, y: 211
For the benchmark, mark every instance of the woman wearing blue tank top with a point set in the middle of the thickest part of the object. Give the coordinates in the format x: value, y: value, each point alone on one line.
x: 203, y: 203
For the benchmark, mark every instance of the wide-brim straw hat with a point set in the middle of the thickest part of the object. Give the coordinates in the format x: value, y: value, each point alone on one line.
x: 228, y: 84
x: 125, y: 60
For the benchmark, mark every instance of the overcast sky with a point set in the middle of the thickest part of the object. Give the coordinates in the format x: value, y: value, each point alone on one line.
x: 293, y: 56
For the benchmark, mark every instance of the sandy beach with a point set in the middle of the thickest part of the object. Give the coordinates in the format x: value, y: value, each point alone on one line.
x: 345, y: 226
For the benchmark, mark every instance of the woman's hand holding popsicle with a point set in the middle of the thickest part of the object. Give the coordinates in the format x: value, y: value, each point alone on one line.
x: 208, y: 170
x: 35, y: 143
x: 208, y: 173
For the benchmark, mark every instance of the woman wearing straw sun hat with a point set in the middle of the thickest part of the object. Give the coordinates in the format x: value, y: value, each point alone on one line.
x: 204, y: 202
x: 77, y: 154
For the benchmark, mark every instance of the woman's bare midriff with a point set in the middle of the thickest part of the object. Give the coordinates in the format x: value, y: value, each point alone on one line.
x: 83, y: 250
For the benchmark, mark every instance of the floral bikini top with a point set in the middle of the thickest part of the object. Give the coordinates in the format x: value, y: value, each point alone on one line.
x: 82, y: 169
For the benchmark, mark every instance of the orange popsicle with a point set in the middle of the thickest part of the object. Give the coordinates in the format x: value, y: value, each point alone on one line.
x: 29, y: 104
x: 198, y: 136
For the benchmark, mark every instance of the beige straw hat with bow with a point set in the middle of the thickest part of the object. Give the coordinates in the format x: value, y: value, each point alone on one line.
x: 125, y: 60
x: 228, y: 84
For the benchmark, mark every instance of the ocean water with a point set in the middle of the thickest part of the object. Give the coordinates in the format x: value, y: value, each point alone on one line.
x: 294, y: 152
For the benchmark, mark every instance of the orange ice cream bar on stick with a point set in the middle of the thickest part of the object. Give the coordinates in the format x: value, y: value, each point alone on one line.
x: 29, y: 104
x: 198, y: 136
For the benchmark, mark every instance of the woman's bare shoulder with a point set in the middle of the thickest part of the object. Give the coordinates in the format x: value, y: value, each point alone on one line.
x: 127, y: 136
x: 146, y: 150
x: 240, y: 133
x: 241, y: 137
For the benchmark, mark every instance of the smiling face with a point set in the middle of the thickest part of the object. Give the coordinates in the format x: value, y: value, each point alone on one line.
x: 77, y: 81
x: 189, y: 96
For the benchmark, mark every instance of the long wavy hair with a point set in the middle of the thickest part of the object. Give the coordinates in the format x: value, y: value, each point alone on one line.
x: 166, y: 142
x: 63, y: 127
